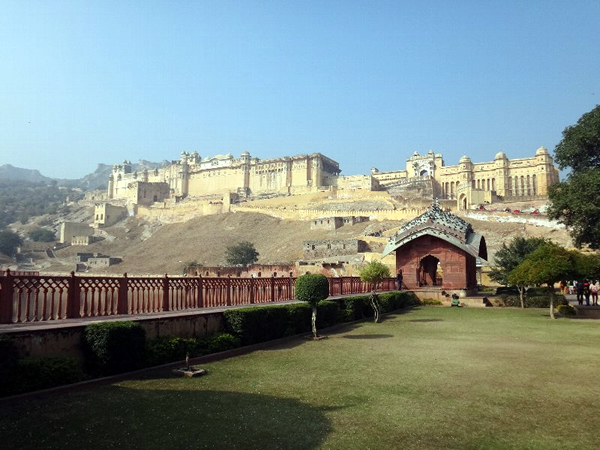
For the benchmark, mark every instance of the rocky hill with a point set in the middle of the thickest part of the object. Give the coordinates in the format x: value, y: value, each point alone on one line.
x: 12, y: 173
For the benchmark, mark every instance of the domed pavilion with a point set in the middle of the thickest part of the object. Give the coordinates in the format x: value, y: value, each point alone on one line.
x: 437, y: 250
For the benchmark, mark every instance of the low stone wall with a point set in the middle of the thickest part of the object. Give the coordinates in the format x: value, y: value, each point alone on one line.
x: 40, y: 341
x: 311, y: 214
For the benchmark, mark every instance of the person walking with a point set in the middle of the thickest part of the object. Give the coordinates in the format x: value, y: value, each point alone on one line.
x: 579, y: 292
x: 399, y: 277
x: 594, y: 292
x: 586, y: 292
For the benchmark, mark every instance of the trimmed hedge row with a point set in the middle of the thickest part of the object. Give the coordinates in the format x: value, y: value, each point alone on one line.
x: 254, y: 325
x: 116, y: 347
x: 538, y: 301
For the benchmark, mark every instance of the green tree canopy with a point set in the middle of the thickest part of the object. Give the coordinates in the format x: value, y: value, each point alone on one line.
x: 374, y: 273
x: 579, y: 147
x: 41, y: 235
x: 511, y: 255
x: 548, y: 264
x: 241, y: 254
x: 312, y: 288
x: 9, y: 242
x: 574, y: 201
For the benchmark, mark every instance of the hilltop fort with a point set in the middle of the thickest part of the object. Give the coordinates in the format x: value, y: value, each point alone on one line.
x: 228, y: 179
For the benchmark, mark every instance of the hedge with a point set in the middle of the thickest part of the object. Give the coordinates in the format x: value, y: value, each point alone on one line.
x: 114, y: 347
x: 260, y: 324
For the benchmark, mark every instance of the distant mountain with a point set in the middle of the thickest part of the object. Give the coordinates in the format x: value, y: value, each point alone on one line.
x: 12, y: 173
x: 95, y: 180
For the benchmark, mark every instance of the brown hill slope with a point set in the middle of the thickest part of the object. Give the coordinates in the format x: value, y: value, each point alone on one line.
x: 204, y: 239
x: 151, y: 248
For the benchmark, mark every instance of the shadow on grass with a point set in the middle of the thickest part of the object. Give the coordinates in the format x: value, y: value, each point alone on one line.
x: 177, y: 417
x: 426, y: 320
x: 368, y: 336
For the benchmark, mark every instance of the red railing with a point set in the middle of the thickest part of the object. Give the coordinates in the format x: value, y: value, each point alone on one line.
x: 38, y: 298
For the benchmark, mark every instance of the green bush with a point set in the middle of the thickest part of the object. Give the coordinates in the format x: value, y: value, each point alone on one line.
x: 327, y: 313
x: 298, y: 319
x: 166, y: 349
x: 221, y: 342
x: 357, y: 307
x: 431, y: 302
x: 538, y: 301
x: 114, y: 347
x: 257, y: 324
x: 392, y: 301
x: 9, y: 360
x: 45, y: 373
x: 507, y: 290
x: 312, y: 288
x: 566, y: 310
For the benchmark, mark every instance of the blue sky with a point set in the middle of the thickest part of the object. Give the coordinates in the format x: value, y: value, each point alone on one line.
x: 366, y: 83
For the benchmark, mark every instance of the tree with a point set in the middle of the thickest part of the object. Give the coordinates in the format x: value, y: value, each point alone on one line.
x: 9, y: 242
x: 241, y: 254
x: 191, y: 268
x: 574, y: 201
x: 509, y: 257
x: 548, y: 264
x: 41, y: 235
x: 312, y: 288
x: 374, y: 273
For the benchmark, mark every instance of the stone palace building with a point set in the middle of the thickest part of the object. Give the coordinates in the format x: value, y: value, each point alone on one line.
x: 425, y: 176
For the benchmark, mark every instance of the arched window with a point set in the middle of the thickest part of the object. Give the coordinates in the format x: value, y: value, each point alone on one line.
x: 534, y: 185
x: 493, y: 184
x: 528, y: 186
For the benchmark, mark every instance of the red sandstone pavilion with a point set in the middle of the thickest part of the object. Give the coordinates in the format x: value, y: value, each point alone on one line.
x: 437, y: 250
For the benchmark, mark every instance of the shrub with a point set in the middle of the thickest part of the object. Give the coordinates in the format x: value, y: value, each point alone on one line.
x: 114, y: 347
x: 298, y: 319
x: 327, y: 313
x: 221, y: 342
x: 312, y: 288
x: 166, y: 349
x: 507, y: 290
x: 9, y: 359
x: 357, y: 307
x: 254, y: 325
x: 538, y: 301
x: 45, y: 373
x: 431, y: 302
x: 566, y: 310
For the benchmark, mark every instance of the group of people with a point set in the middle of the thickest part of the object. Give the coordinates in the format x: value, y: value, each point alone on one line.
x: 584, y: 290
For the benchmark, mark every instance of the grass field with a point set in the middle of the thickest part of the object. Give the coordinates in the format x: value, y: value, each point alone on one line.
x: 431, y: 378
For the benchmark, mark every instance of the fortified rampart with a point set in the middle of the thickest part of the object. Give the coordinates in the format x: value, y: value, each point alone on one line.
x: 311, y: 214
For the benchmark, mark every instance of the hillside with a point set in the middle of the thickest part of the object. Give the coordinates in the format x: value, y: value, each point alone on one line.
x: 149, y: 248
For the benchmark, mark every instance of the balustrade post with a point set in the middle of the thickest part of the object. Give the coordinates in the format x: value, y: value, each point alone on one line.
x: 272, y: 288
x: 122, y: 304
x: 165, y: 299
x: 252, y: 290
x: 228, y: 290
x: 200, y: 294
x: 73, y: 298
x: 6, y: 298
x: 341, y: 285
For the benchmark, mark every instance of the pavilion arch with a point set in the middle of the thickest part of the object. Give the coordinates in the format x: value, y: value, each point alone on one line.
x: 437, y: 237
x: 463, y: 202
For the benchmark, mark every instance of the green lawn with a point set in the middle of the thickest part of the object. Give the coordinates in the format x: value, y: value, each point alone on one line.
x: 432, y: 378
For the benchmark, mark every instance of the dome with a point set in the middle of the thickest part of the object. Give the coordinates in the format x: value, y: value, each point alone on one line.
x: 541, y: 151
x: 464, y: 160
x: 500, y: 155
x: 416, y: 153
x: 430, y: 152
x: 245, y: 154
